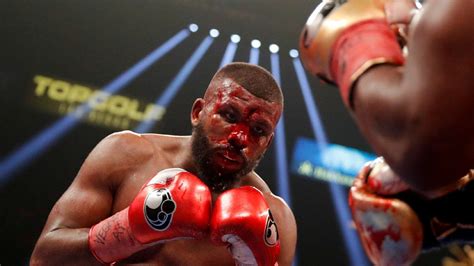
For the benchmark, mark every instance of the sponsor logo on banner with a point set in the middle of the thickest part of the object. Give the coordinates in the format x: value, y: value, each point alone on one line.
x: 330, y: 162
x: 109, y: 110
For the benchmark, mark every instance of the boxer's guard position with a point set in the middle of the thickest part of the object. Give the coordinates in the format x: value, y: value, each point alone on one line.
x: 180, y: 200
x: 415, y: 106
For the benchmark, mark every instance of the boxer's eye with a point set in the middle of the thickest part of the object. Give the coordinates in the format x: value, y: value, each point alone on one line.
x: 259, y: 130
x: 229, y: 115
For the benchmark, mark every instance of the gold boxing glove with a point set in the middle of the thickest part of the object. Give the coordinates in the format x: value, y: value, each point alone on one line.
x: 343, y: 39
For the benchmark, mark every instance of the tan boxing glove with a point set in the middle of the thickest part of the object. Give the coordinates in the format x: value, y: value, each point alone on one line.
x: 343, y: 39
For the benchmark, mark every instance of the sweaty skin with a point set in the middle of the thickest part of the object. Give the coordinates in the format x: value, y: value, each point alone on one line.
x: 123, y: 162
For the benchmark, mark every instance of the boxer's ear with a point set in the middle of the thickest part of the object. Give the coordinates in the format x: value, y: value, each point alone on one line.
x: 198, y: 105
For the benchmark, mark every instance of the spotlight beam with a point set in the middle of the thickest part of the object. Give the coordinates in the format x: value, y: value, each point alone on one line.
x: 228, y: 54
x: 146, y: 62
x: 311, y: 107
x: 339, y: 195
x: 38, y: 144
x: 254, y: 55
x: 283, y: 186
x: 168, y: 95
x: 281, y: 160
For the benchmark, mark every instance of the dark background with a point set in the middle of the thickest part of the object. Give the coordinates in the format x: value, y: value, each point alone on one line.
x: 92, y: 42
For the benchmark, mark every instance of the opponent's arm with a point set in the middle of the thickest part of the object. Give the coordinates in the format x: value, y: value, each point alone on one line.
x: 87, y: 201
x: 419, y: 116
x: 414, y: 113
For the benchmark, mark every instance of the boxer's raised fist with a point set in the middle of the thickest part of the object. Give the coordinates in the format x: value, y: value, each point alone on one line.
x: 174, y: 204
x: 242, y: 220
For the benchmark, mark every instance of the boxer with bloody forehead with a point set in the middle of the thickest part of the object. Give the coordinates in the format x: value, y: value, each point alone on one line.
x: 181, y: 200
x: 238, y: 119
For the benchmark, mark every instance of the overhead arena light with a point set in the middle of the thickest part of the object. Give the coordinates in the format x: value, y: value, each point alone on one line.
x: 193, y: 27
x: 274, y: 48
x: 256, y: 43
x: 214, y: 33
x: 235, y: 38
x: 294, y: 53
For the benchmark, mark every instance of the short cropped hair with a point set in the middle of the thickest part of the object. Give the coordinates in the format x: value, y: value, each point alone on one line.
x: 255, y: 79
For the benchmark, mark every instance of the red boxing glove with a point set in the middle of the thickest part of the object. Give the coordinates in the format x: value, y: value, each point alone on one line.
x: 174, y: 204
x: 341, y: 40
x: 242, y: 219
x: 380, y: 179
x: 390, y: 231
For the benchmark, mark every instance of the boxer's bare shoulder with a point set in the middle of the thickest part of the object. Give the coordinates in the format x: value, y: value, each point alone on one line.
x: 168, y: 146
x: 126, y: 160
x: 127, y: 150
x: 142, y: 145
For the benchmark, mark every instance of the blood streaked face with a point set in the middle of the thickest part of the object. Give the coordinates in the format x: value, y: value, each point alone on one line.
x: 238, y: 127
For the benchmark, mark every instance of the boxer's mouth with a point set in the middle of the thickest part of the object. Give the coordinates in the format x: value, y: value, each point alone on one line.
x: 233, y: 156
x: 228, y: 158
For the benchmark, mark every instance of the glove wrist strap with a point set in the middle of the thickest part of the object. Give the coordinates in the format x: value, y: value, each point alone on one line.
x: 111, y: 239
x: 360, y: 47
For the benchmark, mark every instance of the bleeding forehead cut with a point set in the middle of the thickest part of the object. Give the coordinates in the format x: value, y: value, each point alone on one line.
x: 252, y: 78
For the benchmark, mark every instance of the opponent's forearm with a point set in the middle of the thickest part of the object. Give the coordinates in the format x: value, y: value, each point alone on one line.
x: 380, y: 110
x: 422, y: 135
x: 63, y: 247
x: 386, y: 114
